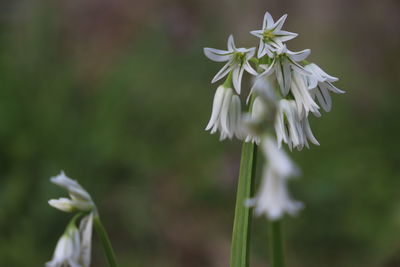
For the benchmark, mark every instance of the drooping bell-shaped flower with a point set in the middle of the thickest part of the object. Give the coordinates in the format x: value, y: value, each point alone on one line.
x: 226, y: 114
x: 320, y: 84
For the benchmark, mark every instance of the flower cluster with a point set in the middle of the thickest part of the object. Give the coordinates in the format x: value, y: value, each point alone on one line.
x: 286, y: 90
x: 74, y: 246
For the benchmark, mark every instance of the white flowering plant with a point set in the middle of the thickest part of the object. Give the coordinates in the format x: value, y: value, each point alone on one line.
x: 74, y: 246
x: 286, y: 90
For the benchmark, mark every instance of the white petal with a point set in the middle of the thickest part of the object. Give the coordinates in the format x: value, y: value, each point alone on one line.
x: 287, y: 74
x: 231, y: 43
x: 72, y: 186
x: 217, y: 54
x: 262, y: 49
x: 308, y: 132
x: 285, y: 35
x: 268, y: 21
x: 86, y: 229
x: 279, y: 72
x: 298, y: 68
x: 258, y: 33
x: 222, y: 72
x: 225, y: 112
x: 250, y: 53
x: 323, y: 97
x: 237, y: 75
x: 299, y: 56
x: 216, y: 108
x: 249, y: 68
x: 312, y: 82
x: 332, y: 88
x: 63, y: 204
x: 321, y: 73
x: 279, y: 23
x: 237, y: 113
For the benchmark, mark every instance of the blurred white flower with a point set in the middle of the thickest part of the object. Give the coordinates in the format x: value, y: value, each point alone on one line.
x: 273, y: 198
x: 79, y: 197
x: 68, y: 249
x: 292, y: 128
x: 237, y: 62
x: 271, y: 35
x: 255, y: 118
x: 283, y: 64
x: 265, y: 86
x: 320, y: 84
x: 226, y: 114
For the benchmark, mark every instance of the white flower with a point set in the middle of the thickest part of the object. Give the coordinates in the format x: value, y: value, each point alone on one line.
x: 320, y: 84
x: 80, y: 198
x: 271, y: 35
x: 85, y: 230
x: 67, y: 252
x: 226, y: 114
x: 283, y: 64
x: 273, y: 198
x: 291, y: 128
x: 238, y: 61
x: 73, y: 249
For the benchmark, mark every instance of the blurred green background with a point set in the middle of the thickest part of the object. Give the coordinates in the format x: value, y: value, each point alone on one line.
x: 117, y: 94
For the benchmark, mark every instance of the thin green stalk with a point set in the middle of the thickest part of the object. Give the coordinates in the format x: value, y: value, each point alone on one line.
x: 275, y: 244
x: 243, y: 215
x: 105, y: 240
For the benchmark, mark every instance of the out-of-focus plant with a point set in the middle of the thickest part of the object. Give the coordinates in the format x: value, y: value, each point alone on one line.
x: 286, y: 89
x: 74, y: 246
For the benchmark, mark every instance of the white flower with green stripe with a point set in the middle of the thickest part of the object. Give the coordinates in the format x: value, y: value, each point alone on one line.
x: 271, y: 35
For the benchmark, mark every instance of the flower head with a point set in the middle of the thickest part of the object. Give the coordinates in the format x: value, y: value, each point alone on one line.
x: 271, y: 35
x: 273, y: 198
x: 237, y: 62
x: 79, y: 197
x: 226, y: 114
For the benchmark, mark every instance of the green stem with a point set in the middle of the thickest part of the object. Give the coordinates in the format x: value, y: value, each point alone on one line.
x: 243, y: 215
x: 105, y: 240
x: 276, y: 246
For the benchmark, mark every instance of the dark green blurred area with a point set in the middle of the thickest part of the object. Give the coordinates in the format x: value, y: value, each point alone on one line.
x: 117, y: 94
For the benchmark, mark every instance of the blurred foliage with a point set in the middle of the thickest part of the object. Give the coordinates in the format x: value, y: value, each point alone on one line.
x: 120, y: 105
